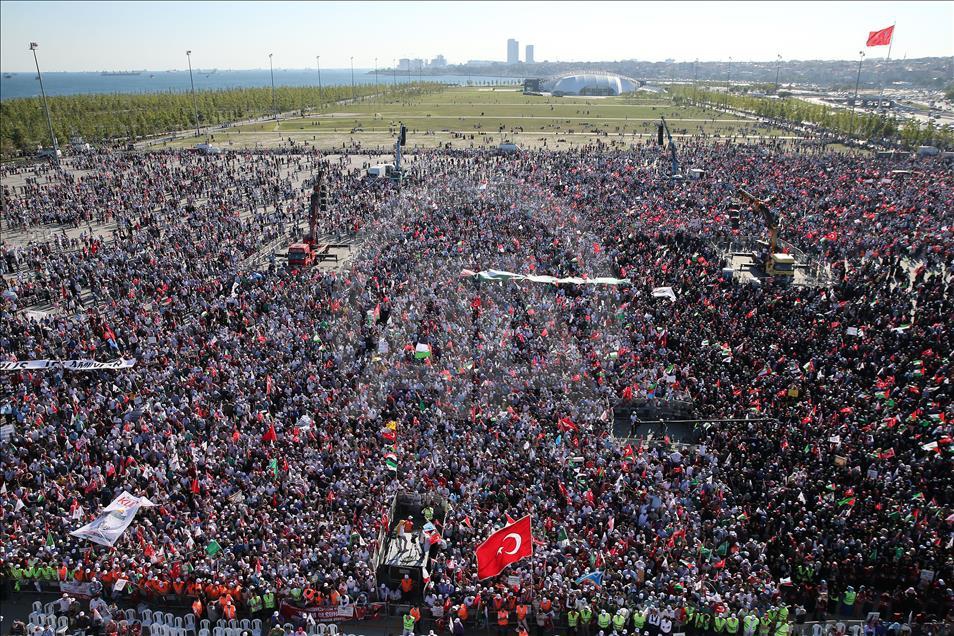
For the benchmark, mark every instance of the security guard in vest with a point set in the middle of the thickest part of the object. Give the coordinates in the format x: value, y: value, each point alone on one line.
x: 703, y: 621
x: 719, y: 623
x: 407, y: 622
x: 255, y: 604
x: 782, y: 629
x: 503, y: 617
x: 16, y: 574
x: 586, y: 619
x: 572, y: 620
x: 268, y: 599
x: 639, y: 620
x: 765, y: 624
x: 732, y: 625
x: 750, y: 624
x: 604, y: 619
x: 690, y: 612
x: 782, y: 614
x: 619, y: 621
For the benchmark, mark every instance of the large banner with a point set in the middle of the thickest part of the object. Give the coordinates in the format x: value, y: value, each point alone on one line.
x: 334, y: 614
x: 113, y: 521
x: 496, y: 275
x: 69, y: 365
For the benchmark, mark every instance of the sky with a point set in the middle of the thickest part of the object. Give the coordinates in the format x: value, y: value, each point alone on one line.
x: 94, y: 36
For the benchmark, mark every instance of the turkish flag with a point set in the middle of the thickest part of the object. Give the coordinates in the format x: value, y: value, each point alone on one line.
x: 270, y: 435
x: 880, y: 38
x: 508, y: 545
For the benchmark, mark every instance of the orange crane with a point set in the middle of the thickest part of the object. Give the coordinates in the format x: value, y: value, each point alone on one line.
x: 776, y: 264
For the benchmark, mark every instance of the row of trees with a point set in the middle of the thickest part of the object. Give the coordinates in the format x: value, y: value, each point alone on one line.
x: 126, y: 116
x: 839, y: 120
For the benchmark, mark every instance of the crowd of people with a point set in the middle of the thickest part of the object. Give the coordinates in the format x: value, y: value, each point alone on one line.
x: 275, y: 413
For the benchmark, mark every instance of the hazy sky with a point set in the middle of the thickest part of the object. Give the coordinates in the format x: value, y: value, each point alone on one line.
x: 91, y: 36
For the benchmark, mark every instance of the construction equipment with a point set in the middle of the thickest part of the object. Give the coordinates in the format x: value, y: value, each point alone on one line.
x: 674, y: 174
x: 304, y: 253
x: 776, y: 263
x: 401, y: 141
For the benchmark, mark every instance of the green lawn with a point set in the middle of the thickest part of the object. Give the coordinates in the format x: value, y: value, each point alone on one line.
x: 488, y: 114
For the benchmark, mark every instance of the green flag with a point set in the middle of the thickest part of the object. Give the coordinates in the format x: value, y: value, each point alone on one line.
x: 49, y: 539
x: 213, y: 548
x: 273, y: 464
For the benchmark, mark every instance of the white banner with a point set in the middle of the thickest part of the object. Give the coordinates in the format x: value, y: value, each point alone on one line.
x: 496, y: 275
x: 113, y: 521
x: 69, y: 365
x: 664, y: 292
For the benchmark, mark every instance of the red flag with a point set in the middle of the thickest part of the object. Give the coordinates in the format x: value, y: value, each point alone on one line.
x: 270, y: 435
x: 880, y: 38
x: 510, y: 520
x: 195, y: 486
x: 507, y: 545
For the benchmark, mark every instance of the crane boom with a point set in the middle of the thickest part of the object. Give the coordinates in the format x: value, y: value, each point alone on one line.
x: 672, y: 150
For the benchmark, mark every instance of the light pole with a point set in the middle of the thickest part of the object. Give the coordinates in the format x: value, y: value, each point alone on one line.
x: 352, y: 78
x: 375, y: 76
x: 778, y: 69
x: 728, y: 75
x: 46, y: 107
x: 195, y: 104
x: 318, y: 63
x: 394, y: 71
x: 695, y: 79
x: 851, y: 125
x: 272, y: 71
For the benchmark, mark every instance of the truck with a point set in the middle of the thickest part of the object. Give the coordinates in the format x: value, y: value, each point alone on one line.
x: 381, y: 170
x: 300, y: 256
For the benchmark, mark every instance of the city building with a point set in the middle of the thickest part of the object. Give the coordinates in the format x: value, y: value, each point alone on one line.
x: 439, y: 62
x: 513, y: 51
x: 528, y: 57
x: 404, y: 64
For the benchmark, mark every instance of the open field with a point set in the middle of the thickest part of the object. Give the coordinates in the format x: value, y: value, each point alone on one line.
x: 468, y: 117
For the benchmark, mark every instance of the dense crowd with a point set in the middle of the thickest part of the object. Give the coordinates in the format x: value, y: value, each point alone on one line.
x: 257, y: 414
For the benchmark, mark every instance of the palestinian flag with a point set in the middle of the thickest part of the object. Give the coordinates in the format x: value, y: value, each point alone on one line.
x: 563, y: 539
x: 847, y: 501
x: 213, y: 548
x: 390, y: 461
x: 389, y: 434
x: 422, y: 351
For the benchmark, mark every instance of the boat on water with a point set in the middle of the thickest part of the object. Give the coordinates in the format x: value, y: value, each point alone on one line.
x: 120, y: 73
x: 7, y: 76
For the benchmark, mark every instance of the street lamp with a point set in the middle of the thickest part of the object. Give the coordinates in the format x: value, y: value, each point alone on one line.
x: 318, y: 62
x: 851, y: 125
x: 46, y: 107
x: 728, y: 75
x: 778, y: 68
x: 375, y: 75
x: 272, y: 70
x: 352, y: 78
x: 195, y: 105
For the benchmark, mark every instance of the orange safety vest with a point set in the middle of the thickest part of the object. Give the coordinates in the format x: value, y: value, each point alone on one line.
x: 335, y: 598
x: 309, y: 594
x: 462, y: 612
x: 406, y: 585
x: 163, y: 587
x: 179, y: 587
x: 229, y: 611
x: 197, y: 608
x: 225, y: 599
x: 415, y: 613
x: 545, y: 605
x: 62, y: 572
x: 521, y: 612
x: 502, y: 617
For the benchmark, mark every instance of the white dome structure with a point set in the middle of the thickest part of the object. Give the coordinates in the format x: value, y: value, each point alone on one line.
x: 591, y: 84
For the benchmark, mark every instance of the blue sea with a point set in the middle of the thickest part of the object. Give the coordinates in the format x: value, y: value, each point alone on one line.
x: 24, y: 84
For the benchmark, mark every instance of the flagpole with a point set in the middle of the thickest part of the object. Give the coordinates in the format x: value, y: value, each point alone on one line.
x: 887, y: 59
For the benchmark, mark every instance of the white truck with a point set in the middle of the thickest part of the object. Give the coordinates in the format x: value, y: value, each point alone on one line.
x: 381, y: 170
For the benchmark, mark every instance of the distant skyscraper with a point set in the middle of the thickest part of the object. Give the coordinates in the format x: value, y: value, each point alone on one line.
x: 528, y: 58
x: 513, y: 51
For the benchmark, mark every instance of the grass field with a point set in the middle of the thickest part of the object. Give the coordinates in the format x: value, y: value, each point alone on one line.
x: 468, y: 117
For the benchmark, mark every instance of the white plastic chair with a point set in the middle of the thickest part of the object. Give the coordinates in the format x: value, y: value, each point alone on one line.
x: 233, y: 623
x: 321, y: 629
x: 205, y: 624
x: 158, y: 618
x: 178, y: 622
x: 130, y: 614
x: 218, y: 631
x: 203, y: 632
x: 36, y: 618
x: 332, y: 629
x: 37, y: 606
x: 62, y: 622
x: 48, y: 608
x: 50, y: 620
x: 245, y: 623
x: 170, y: 620
x: 29, y: 628
x: 288, y: 627
x: 257, y: 626
x: 146, y: 618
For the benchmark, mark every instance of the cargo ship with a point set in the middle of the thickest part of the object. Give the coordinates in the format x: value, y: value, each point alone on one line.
x: 120, y: 73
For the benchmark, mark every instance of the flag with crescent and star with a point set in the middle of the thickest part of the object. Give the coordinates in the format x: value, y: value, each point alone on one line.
x: 505, y: 546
